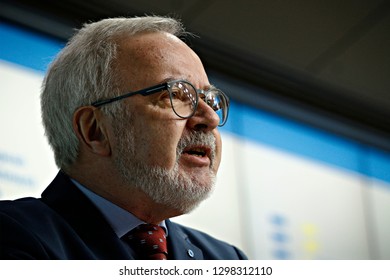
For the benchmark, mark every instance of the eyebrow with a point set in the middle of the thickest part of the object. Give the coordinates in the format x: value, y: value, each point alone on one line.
x: 171, y: 78
x: 211, y: 86
x: 168, y: 79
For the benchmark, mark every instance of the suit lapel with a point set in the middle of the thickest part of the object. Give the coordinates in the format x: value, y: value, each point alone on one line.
x: 179, y: 244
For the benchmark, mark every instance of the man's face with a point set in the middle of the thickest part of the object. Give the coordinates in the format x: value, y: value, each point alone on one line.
x: 173, y: 160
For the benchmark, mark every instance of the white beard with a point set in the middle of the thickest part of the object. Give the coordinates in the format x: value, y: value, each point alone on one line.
x: 173, y: 188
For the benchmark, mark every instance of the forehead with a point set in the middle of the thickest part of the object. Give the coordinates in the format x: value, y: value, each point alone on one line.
x: 156, y: 56
x: 152, y: 44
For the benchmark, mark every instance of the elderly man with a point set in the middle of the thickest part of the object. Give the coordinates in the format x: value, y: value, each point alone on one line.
x: 132, y: 119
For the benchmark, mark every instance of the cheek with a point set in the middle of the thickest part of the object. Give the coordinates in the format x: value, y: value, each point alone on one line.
x: 157, y: 144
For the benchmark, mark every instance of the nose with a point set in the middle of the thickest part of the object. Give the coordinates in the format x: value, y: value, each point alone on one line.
x: 205, y: 118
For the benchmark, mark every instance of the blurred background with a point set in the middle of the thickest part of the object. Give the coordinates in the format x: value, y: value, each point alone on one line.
x: 306, y: 154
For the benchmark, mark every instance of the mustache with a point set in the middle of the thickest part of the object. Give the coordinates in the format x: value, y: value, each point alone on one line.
x: 197, y: 138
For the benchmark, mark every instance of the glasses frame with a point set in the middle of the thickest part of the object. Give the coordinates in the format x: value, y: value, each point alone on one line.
x: 166, y: 86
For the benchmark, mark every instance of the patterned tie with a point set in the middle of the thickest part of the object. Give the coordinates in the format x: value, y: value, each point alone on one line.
x: 149, y: 242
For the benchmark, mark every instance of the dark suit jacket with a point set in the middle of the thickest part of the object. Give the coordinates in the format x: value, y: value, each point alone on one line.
x: 64, y: 224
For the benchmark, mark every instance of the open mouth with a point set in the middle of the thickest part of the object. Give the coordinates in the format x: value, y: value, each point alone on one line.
x: 197, y: 151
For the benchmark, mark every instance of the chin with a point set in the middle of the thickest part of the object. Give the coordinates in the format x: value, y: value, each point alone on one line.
x: 189, y: 196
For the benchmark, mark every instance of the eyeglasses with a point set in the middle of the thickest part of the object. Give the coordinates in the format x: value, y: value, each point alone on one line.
x: 184, y: 99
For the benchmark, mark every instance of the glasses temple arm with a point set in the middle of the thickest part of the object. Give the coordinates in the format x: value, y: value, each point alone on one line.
x: 144, y: 92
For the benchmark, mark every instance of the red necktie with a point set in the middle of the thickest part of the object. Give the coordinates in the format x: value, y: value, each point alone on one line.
x: 149, y: 242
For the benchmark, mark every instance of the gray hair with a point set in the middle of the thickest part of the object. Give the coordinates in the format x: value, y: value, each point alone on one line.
x: 84, y: 71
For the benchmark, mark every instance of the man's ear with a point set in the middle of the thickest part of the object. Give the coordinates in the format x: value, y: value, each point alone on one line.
x: 90, y: 129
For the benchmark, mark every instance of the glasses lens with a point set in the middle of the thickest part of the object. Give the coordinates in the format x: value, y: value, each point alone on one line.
x: 218, y: 101
x: 183, y: 98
